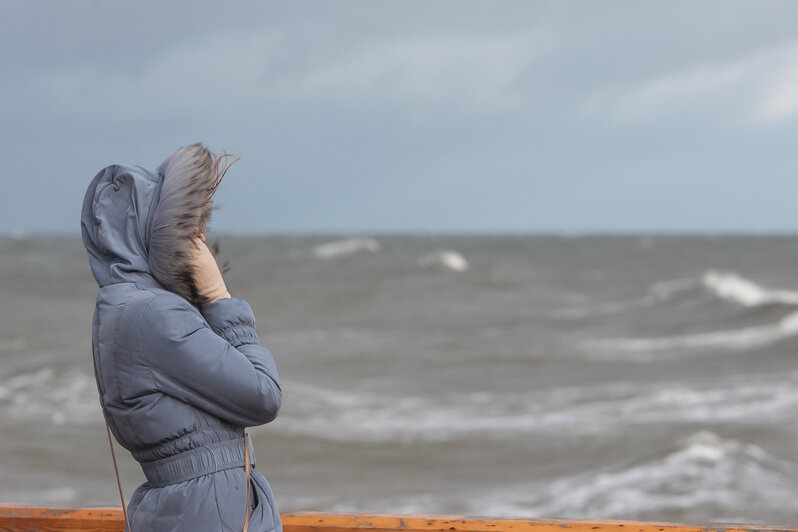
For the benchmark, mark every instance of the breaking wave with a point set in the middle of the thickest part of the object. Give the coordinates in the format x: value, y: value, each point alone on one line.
x: 445, y: 259
x: 734, y: 288
x: 704, y: 474
x: 344, y: 247
x: 739, y: 339
x: 724, y: 287
x: 47, y: 395
x: 348, y: 416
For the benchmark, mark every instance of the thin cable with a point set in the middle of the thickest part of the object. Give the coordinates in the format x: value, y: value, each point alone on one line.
x: 118, y: 482
x: 246, y: 468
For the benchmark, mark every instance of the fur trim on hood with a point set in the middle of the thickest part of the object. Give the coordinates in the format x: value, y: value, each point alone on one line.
x: 190, y: 177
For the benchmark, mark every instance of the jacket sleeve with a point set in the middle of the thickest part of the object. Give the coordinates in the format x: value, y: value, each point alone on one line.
x: 215, y: 363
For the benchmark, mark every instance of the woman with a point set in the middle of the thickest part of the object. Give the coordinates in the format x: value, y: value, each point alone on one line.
x: 180, y: 370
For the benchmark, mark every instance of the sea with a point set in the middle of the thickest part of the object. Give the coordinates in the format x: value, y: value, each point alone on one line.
x: 645, y: 377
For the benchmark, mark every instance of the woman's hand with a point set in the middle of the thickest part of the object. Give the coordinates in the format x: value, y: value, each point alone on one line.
x: 207, y: 276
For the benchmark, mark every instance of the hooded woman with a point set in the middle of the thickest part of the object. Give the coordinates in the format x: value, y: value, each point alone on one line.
x: 179, y: 367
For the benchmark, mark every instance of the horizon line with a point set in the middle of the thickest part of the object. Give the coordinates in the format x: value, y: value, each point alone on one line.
x: 21, y: 235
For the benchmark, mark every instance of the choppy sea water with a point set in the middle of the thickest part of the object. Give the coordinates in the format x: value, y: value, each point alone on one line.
x: 637, y: 377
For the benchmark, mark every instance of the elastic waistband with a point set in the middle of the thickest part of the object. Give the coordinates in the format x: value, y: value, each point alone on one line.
x: 197, y: 462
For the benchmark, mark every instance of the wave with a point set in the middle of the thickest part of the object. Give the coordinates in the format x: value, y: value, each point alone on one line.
x: 44, y: 394
x: 724, y: 286
x: 324, y: 413
x: 660, y: 292
x: 704, y: 474
x: 729, y: 286
x: 736, y: 339
x: 344, y: 247
x: 446, y: 259
x: 327, y: 414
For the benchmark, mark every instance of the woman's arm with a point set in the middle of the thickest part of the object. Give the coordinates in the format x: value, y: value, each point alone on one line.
x: 216, y: 363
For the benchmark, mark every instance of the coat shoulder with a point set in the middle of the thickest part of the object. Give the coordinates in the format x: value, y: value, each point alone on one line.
x: 129, y: 309
x: 169, y: 317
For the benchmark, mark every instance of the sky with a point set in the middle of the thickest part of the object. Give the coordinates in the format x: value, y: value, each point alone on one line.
x: 412, y: 116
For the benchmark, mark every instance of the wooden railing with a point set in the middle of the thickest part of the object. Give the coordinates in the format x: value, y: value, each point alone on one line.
x: 29, y: 519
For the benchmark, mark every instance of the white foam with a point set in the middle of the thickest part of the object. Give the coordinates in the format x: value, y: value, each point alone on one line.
x: 726, y: 286
x: 311, y: 396
x: 740, y: 339
x: 706, y: 470
x: 732, y: 287
x: 345, y: 247
x: 447, y: 259
x: 43, y: 394
x: 26, y: 380
x: 617, y: 407
x: 705, y: 446
x: 323, y: 413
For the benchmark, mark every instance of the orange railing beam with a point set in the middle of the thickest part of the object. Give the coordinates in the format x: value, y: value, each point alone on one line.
x: 17, y: 518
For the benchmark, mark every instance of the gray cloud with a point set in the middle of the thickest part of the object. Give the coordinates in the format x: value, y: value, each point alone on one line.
x: 364, y: 116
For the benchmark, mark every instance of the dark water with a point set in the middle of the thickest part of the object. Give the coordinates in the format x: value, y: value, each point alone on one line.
x: 646, y: 378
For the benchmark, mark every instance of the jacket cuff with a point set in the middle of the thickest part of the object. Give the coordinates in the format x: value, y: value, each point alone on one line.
x: 232, y: 319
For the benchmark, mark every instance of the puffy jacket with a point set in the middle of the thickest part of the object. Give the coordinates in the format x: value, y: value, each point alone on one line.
x: 179, y: 380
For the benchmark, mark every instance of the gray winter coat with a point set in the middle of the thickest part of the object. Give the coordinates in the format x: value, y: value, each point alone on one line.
x: 178, y: 382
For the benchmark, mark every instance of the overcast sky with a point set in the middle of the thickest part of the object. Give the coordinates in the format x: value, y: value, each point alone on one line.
x: 413, y: 116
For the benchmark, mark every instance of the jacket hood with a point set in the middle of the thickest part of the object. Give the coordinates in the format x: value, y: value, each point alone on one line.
x: 139, y: 225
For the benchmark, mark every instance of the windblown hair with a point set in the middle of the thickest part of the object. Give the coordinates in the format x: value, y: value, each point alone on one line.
x: 190, y: 176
